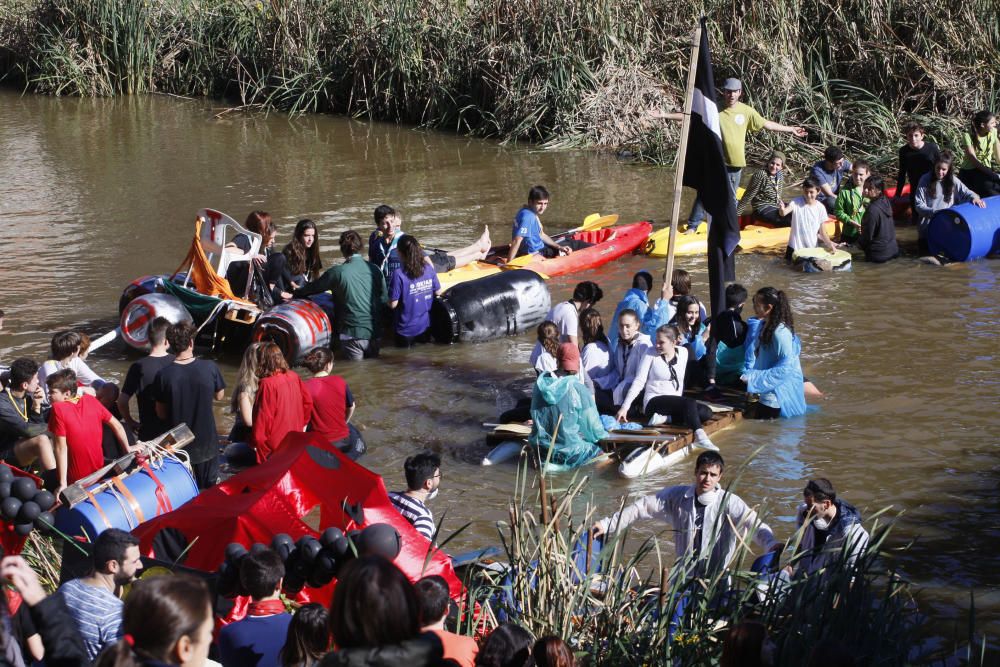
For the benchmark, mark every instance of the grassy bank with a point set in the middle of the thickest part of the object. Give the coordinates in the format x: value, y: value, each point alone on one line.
x: 558, y: 72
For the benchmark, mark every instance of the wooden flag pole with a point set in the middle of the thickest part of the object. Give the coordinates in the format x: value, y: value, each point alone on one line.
x: 682, y: 149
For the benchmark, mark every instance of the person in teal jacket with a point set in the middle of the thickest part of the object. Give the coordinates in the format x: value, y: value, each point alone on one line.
x: 776, y: 374
x: 561, y: 406
x: 651, y: 317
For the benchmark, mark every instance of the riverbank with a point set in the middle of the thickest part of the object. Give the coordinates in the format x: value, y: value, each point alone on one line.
x: 558, y: 72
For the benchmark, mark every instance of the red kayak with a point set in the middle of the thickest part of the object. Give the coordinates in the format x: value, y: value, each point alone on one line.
x: 609, y: 244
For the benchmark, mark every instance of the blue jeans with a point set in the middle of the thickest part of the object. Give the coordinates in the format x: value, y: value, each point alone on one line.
x: 698, y: 211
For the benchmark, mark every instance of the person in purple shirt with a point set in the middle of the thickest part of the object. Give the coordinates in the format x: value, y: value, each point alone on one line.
x: 830, y: 172
x: 412, y: 289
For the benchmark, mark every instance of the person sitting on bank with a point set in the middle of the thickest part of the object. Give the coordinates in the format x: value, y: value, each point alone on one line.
x: 562, y: 408
x: 637, y: 299
x: 257, y: 639
x: 808, y: 218
x: 850, y: 206
x: 707, y: 520
x: 423, y: 479
x: 527, y: 236
x: 77, y: 425
x: 763, y: 194
x: 878, y: 229
x: 982, y: 155
x: 939, y: 189
x: 829, y: 173
x: 359, y: 297
x: 383, y: 241
x: 66, y: 354
x: 23, y: 439
x: 831, y: 530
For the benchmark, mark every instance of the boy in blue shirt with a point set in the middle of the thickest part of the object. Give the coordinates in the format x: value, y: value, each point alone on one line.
x: 527, y: 236
x: 830, y: 173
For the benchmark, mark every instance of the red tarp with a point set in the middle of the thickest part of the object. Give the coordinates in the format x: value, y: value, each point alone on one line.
x: 272, y: 498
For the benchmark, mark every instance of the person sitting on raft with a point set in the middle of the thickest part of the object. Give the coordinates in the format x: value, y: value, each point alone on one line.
x: 982, y: 155
x: 566, y: 425
x: 297, y: 263
x: 850, y: 206
x: 528, y: 237
x: 777, y: 374
x: 808, y: 216
x: 660, y: 378
x: 725, y: 363
x: 829, y: 174
x: 566, y: 314
x: 66, y: 354
x: 333, y: 404
x: 382, y: 244
x: 637, y: 299
x: 597, y: 360
x: 763, y: 193
x: 938, y: 189
x: 412, y: 288
x: 632, y: 347
x: 878, y: 229
x: 692, y: 334
x: 680, y: 285
x: 238, y: 273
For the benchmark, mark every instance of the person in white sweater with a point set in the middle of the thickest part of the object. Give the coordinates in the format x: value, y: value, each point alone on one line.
x: 632, y: 347
x: 660, y: 379
x: 707, y: 519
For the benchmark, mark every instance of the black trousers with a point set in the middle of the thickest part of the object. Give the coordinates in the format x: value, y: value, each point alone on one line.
x: 680, y: 409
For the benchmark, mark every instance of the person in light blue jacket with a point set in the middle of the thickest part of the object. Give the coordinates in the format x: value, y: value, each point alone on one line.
x: 776, y: 374
x: 652, y: 317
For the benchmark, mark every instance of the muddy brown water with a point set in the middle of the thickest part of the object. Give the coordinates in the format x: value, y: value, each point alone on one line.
x: 96, y: 193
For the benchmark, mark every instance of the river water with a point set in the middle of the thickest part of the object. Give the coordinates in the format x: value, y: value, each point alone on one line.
x: 94, y: 193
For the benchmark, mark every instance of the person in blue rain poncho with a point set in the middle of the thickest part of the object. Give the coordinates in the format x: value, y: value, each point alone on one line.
x: 776, y: 374
x: 561, y: 406
x: 651, y: 317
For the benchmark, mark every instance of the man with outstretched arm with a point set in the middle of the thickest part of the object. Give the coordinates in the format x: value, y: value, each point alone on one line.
x: 707, y: 520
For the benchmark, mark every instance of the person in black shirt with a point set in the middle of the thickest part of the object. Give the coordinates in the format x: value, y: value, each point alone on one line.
x: 878, y: 230
x: 916, y: 158
x: 139, y: 383
x: 727, y: 327
x: 22, y: 421
x: 184, y: 392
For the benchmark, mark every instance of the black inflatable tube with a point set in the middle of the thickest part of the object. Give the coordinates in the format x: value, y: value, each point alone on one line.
x: 503, y: 304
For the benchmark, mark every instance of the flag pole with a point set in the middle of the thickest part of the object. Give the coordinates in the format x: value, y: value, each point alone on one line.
x: 682, y: 148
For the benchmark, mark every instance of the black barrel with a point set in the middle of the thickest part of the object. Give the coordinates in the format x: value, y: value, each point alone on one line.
x: 503, y: 304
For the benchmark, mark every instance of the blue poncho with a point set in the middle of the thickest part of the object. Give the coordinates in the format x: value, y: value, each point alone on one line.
x: 777, y: 371
x: 580, y: 428
x: 650, y: 318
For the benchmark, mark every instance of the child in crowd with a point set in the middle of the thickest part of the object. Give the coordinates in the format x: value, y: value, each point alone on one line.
x: 680, y: 284
x: 829, y: 173
x: 77, y: 424
x: 878, y: 229
x: 66, y: 347
x: 982, y: 155
x: 850, y: 206
x: 726, y: 337
x: 691, y: 334
x: 808, y: 216
x: 763, y: 194
x: 939, y: 189
x: 333, y: 404
x: 777, y: 374
x: 916, y: 158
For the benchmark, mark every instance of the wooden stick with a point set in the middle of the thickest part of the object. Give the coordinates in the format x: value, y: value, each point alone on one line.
x: 682, y: 149
x: 664, y: 574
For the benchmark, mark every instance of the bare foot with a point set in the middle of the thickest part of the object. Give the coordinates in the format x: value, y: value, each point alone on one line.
x: 484, y: 240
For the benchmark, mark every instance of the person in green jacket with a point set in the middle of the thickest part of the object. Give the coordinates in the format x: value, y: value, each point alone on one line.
x: 850, y: 205
x: 566, y: 425
x: 359, y: 297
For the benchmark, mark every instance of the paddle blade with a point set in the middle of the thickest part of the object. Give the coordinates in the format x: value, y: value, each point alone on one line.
x: 590, y: 223
x: 589, y: 219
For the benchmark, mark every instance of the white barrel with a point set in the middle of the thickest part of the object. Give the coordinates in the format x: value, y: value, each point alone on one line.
x: 296, y: 327
x: 141, y: 311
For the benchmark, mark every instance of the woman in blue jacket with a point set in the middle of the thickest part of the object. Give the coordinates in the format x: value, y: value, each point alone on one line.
x: 776, y: 374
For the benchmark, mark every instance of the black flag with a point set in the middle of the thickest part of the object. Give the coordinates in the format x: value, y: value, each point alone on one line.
x: 705, y: 171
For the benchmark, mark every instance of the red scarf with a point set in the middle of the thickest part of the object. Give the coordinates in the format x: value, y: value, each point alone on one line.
x: 266, y: 608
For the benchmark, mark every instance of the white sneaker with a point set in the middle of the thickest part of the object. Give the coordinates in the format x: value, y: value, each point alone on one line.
x: 702, y: 441
x: 692, y: 229
x: 658, y: 419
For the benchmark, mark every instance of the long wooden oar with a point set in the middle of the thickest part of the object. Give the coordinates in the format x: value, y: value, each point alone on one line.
x: 591, y: 223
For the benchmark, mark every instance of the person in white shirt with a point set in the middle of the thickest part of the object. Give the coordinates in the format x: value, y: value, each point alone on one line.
x: 566, y: 315
x: 660, y: 379
x: 808, y: 215
x: 707, y: 519
x: 632, y: 346
x: 597, y: 359
x: 66, y: 354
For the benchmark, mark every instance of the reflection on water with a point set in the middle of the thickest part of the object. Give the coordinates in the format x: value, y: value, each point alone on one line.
x: 94, y: 193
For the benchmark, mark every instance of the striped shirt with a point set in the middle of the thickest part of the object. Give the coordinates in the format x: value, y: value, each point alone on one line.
x: 763, y: 190
x: 98, y: 614
x: 415, y: 512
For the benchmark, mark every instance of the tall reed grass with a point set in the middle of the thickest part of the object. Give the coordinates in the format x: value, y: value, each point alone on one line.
x: 560, y: 72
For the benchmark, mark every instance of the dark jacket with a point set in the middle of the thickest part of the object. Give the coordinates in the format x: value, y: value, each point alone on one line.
x: 424, y: 651
x: 13, y: 426
x: 63, y: 646
x: 878, y: 232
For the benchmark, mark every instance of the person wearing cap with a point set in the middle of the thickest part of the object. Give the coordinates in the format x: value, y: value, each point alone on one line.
x: 832, y: 533
x: 763, y: 194
x: 651, y: 317
x: 566, y: 425
x: 735, y: 121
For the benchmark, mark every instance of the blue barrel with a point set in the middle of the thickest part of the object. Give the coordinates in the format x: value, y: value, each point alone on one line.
x: 966, y: 232
x: 501, y: 304
x: 149, y: 495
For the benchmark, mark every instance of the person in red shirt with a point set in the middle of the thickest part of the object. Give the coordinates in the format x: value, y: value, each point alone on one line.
x: 282, y: 404
x: 77, y: 422
x: 333, y: 403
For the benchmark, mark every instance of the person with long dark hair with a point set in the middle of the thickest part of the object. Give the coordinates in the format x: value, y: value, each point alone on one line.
x: 693, y: 335
x: 167, y: 621
x: 777, y: 374
x: 282, y: 406
x: 552, y: 651
x: 597, y: 360
x: 982, y: 155
x: 308, y: 637
x: 938, y: 189
x: 302, y: 253
x: 412, y: 289
x: 509, y: 645
x: 878, y: 229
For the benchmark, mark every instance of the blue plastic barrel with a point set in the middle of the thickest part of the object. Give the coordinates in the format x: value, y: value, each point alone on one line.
x: 115, y: 510
x: 966, y: 232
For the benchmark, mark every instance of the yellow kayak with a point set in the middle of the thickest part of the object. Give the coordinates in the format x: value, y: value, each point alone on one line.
x: 752, y: 237
x: 468, y: 272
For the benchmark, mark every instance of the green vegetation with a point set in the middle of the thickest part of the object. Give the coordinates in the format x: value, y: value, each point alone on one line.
x: 558, y: 72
